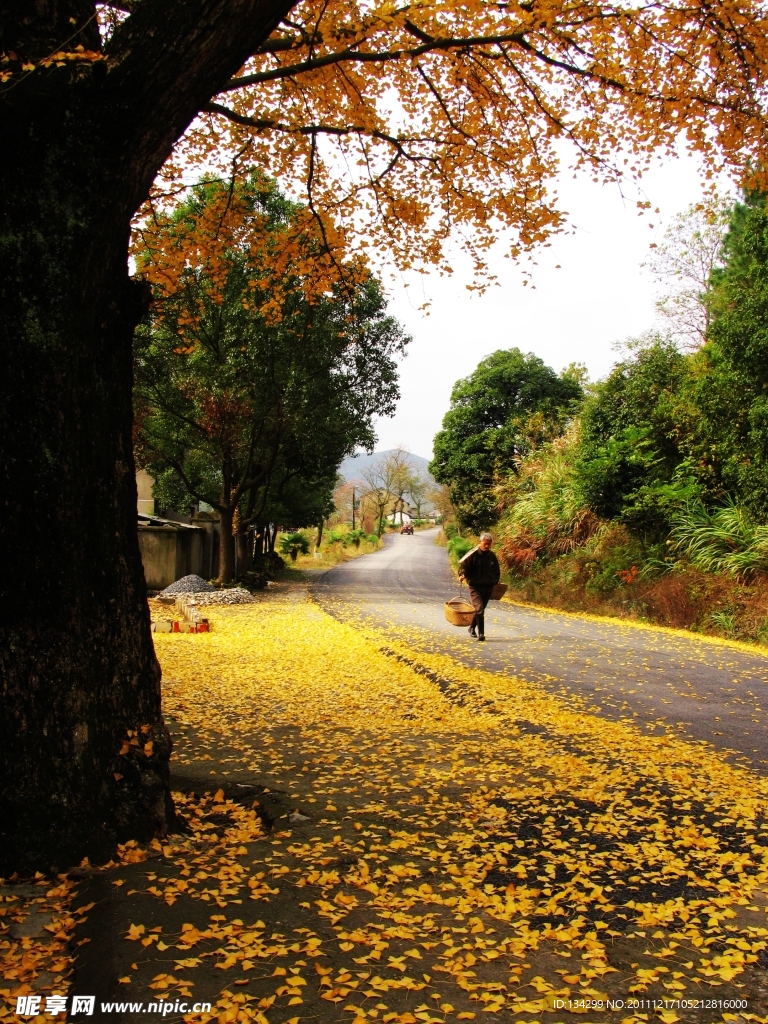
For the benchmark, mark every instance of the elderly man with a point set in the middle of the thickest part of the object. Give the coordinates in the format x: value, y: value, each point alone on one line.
x: 480, y: 568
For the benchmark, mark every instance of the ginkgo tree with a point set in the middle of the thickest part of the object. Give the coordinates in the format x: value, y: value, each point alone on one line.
x: 406, y: 125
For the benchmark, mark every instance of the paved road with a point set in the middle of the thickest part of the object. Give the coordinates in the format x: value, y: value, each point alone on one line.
x: 705, y: 691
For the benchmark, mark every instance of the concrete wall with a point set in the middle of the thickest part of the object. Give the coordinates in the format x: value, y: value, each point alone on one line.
x: 169, y: 552
x: 144, y: 482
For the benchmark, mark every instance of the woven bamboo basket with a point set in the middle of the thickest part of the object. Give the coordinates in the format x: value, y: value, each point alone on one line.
x: 458, y: 612
x: 499, y: 591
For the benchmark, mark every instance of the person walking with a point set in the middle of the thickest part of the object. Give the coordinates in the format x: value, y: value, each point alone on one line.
x: 480, y: 568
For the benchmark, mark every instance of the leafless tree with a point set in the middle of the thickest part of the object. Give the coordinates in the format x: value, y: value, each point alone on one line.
x: 683, y: 264
x: 386, y: 481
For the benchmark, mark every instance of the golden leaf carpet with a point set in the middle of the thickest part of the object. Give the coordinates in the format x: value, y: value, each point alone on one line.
x: 452, y: 843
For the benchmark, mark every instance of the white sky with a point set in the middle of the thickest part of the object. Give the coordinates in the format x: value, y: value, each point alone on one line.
x: 575, y: 314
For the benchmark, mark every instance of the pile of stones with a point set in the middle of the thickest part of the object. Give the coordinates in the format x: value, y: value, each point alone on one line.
x: 189, y: 585
x: 190, y: 592
x: 235, y: 595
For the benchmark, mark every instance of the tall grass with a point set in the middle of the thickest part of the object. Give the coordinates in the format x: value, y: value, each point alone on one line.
x: 724, y: 539
x: 543, y: 514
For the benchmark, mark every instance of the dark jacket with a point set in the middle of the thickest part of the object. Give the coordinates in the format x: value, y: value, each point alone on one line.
x: 480, y: 568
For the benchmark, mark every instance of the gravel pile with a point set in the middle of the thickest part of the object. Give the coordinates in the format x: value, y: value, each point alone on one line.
x: 237, y: 595
x: 189, y: 585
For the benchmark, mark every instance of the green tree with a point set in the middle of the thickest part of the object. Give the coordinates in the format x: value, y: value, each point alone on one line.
x: 234, y: 403
x: 739, y: 300
x: 293, y: 544
x: 630, y: 465
x: 728, y: 445
x: 511, y: 403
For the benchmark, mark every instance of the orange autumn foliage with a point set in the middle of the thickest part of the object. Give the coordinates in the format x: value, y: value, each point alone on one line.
x: 189, y: 250
x: 414, y: 124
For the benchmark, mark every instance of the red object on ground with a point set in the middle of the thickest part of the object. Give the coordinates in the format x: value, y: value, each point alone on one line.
x: 202, y: 627
x: 175, y: 627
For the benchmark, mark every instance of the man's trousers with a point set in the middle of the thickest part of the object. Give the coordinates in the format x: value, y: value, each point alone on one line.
x: 479, y: 597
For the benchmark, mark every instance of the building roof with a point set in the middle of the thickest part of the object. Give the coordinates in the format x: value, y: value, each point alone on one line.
x: 156, y: 523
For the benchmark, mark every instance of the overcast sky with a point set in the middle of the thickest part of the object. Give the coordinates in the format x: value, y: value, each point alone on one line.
x: 575, y: 314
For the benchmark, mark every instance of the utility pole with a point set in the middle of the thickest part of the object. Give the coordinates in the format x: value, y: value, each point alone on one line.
x: 353, y: 508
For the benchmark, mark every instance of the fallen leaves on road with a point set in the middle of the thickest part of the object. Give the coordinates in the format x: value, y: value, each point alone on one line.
x: 37, y: 922
x: 474, y: 844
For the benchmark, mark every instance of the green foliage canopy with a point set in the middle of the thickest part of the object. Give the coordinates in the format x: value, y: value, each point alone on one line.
x: 509, y: 404
x: 731, y: 380
x: 630, y: 466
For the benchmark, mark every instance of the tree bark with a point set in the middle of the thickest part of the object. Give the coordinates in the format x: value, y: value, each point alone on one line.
x: 243, y: 552
x: 226, y: 546
x: 83, y: 748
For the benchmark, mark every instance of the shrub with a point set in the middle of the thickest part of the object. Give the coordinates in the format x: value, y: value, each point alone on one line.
x: 457, y: 548
x: 293, y: 543
x: 545, y: 515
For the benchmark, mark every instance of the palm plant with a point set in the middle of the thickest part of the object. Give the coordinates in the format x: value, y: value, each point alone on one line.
x: 293, y: 543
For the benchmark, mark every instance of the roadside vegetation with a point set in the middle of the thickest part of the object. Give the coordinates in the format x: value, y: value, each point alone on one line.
x: 644, y: 495
x: 339, y: 544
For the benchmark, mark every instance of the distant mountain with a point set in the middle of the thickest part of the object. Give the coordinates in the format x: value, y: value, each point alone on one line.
x: 353, y: 467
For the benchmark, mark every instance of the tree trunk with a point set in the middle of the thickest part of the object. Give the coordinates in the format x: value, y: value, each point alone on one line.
x: 226, y: 547
x: 79, y: 669
x: 83, y: 749
x: 243, y: 553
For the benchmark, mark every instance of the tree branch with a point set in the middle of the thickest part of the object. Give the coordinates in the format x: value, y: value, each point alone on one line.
x: 350, y: 55
x: 176, y: 466
x: 165, y: 61
x: 310, y: 129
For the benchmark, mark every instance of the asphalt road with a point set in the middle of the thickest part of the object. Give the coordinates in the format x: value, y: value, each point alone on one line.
x: 704, y: 691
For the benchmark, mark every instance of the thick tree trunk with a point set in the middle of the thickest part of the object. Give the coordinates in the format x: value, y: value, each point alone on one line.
x: 79, y: 670
x: 83, y: 749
